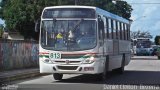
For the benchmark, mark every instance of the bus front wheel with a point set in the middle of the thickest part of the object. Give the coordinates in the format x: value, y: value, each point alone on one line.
x: 57, y: 76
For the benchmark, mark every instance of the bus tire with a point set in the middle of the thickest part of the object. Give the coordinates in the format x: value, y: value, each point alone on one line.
x: 57, y: 76
x: 120, y: 70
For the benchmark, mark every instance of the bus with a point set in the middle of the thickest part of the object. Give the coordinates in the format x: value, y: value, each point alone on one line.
x: 143, y: 46
x: 82, y: 40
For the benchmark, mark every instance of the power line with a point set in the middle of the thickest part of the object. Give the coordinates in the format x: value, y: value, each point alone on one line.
x: 145, y: 3
x: 136, y: 2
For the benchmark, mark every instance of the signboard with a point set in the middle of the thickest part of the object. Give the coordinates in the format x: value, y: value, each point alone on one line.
x: 69, y: 13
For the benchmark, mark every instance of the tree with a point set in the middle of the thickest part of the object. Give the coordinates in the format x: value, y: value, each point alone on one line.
x: 1, y: 30
x: 123, y: 9
x: 22, y: 15
x: 157, y: 40
x: 141, y: 34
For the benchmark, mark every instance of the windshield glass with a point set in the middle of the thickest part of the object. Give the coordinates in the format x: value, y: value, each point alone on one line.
x: 68, y: 35
x: 143, y: 44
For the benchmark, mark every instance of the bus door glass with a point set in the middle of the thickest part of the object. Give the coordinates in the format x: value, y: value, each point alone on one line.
x: 100, y: 30
x: 101, y: 33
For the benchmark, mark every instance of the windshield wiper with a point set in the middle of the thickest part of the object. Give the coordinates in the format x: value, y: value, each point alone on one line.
x: 54, y: 24
x: 79, y: 22
x: 71, y: 35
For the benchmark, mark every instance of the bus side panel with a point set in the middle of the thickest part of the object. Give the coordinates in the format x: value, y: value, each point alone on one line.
x: 115, y: 61
x: 108, y: 47
x: 114, y: 58
x: 124, y: 48
x: 127, y: 58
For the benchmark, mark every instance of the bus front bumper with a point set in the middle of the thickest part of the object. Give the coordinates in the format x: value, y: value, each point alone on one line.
x: 93, y: 68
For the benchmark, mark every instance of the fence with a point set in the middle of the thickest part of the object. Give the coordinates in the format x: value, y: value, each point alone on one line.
x: 18, y: 54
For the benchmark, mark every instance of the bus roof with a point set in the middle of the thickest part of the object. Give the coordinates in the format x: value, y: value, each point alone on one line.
x: 141, y: 38
x: 98, y: 10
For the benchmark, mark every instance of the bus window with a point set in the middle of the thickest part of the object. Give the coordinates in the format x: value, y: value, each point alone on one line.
x: 105, y: 28
x: 128, y: 32
x: 122, y: 31
x: 117, y: 36
x: 112, y: 31
x: 109, y: 28
x: 107, y: 35
x: 118, y: 29
x: 100, y: 28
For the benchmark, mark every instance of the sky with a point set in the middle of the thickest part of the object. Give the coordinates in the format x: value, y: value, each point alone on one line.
x: 146, y: 16
x: 1, y: 21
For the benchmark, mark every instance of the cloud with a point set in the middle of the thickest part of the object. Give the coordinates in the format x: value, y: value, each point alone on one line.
x: 149, y: 11
x: 156, y: 27
x: 151, y: 22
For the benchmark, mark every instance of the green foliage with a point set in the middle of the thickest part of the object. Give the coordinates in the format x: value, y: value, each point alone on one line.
x: 123, y: 9
x: 157, y: 40
x: 21, y: 15
x: 1, y: 30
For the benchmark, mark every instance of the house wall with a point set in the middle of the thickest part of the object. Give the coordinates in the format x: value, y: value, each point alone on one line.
x: 18, y: 54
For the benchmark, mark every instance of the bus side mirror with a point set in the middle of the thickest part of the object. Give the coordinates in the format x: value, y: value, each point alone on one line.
x: 37, y: 26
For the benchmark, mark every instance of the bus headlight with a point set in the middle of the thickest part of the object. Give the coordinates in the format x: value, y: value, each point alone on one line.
x: 46, y: 60
x: 89, y: 60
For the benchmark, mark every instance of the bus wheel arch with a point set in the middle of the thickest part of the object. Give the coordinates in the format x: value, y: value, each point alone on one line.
x: 105, y: 74
x: 121, y: 69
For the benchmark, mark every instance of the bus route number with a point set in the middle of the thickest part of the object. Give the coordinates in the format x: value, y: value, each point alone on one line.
x: 55, y: 55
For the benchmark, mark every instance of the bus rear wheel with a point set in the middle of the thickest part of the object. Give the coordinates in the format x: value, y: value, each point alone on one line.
x: 120, y: 70
x: 57, y: 76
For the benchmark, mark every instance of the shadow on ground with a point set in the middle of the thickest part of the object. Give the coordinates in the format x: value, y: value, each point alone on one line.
x: 128, y: 78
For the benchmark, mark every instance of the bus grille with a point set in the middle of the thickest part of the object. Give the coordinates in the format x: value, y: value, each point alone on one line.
x: 67, y: 67
x: 70, y: 62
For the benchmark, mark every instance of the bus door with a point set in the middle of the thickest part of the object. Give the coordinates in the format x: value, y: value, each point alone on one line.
x: 101, y: 33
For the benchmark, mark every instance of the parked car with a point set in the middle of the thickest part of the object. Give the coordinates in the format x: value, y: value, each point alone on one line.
x: 154, y: 52
x: 158, y: 52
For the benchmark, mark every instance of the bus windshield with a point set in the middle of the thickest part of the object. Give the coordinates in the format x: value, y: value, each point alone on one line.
x: 68, y: 35
x: 143, y: 44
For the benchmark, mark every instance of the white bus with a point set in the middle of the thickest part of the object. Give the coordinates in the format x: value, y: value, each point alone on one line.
x: 82, y: 40
x: 142, y: 46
